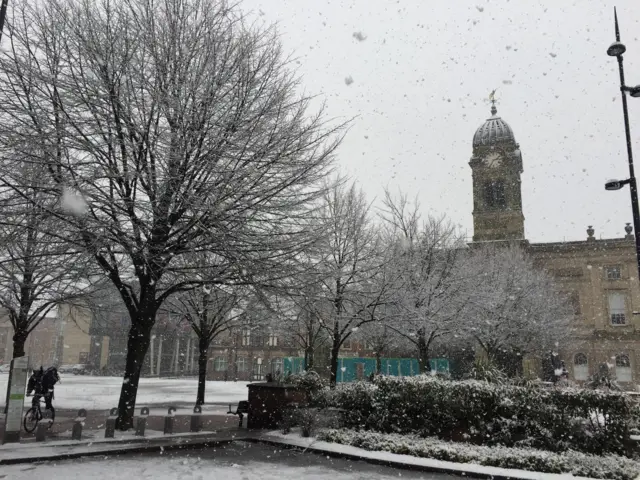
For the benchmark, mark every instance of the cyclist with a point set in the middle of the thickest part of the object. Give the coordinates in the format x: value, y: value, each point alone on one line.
x: 42, y: 383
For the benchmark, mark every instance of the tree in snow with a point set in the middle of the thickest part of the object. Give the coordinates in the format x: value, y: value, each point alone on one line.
x: 516, y: 309
x: 350, y: 266
x: 431, y: 293
x: 209, y: 311
x: 39, y: 270
x: 301, y: 314
x: 182, y: 129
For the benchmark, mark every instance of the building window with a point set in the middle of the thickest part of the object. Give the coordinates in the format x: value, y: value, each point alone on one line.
x: 346, y: 345
x: 494, y: 194
x: 573, y: 299
x: 272, y: 341
x: 242, y: 364
x: 614, y: 272
x: 246, y: 337
x: 623, y: 368
x: 617, y: 309
x: 258, y: 373
x: 220, y: 364
x: 580, y: 367
x: 276, y: 365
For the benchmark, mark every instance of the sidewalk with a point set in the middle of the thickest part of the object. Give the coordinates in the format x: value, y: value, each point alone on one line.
x: 214, y: 418
x: 94, y: 443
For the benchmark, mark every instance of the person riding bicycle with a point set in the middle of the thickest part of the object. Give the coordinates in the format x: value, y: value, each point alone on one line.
x: 41, y: 383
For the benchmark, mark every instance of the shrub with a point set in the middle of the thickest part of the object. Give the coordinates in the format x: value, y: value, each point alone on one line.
x: 309, y: 382
x: 576, y: 463
x: 485, y: 413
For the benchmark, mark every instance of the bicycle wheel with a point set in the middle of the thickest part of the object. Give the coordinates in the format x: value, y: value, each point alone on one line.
x: 31, y: 420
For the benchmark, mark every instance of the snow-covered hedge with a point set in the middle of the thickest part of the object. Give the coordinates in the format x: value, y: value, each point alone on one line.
x: 576, y: 463
x: 484, y: 413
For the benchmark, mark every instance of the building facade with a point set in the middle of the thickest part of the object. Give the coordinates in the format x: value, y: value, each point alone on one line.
x: 599, y: 277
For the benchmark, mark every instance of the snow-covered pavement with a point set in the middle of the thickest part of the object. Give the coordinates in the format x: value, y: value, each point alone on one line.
x: 95, y: 393
x: 234, y: 462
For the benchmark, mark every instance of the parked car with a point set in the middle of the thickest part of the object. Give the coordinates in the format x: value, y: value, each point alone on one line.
x: 4, y: 368
x: 79, y: 369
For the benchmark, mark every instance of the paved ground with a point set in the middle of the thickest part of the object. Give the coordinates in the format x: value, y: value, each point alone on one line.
x: 235, y: 461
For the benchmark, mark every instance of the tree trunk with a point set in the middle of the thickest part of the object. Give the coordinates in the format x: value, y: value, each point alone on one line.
x: 378, y: 363
x: 19, y: 340
x: 308, y: 357
x: 202, y: 370
x: 423, y: 354
x: 137, y: 346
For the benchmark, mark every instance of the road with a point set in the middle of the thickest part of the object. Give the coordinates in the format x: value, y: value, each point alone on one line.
x: 237, y: 461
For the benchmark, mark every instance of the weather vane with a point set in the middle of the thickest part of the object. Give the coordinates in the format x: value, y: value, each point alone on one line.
x: 492, y: 99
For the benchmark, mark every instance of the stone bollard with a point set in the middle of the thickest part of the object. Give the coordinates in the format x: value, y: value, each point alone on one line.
x: 141, y: 422
x: 111, y: 423
x: 196, y: 419
x: 76, y: 430
x: 169, y: 421
x: 43, y: 427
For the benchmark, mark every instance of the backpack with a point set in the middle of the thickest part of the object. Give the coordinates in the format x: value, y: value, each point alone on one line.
x: 50, y: 378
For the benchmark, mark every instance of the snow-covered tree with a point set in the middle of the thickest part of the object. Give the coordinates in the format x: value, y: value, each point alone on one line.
x: 516, y: 309
x: 180, y: 126
x: 351, y: 261
x: 431, y: 293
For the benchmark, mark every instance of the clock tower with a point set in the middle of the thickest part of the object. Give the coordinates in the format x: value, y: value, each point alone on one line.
x: 496, y: 166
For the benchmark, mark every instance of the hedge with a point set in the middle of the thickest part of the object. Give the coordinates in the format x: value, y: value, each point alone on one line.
x: 483, y: 413
x: 576, y: 463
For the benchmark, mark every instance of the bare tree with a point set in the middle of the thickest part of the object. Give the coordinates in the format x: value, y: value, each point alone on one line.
x: 516, y: 309
x: 431, y: 294
x: 301, y: 313
x: 38, y: 270
x: 351, y: 260
x: 210, y: 311
x: 181, y: 128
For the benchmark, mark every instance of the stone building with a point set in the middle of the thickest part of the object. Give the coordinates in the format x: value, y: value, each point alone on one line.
x: 598, y: 276
x: 61, y: 338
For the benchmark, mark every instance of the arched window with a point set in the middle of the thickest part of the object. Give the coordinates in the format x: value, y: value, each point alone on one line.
x: 220, y: 364
x: 623, y: 368
x: 580, y: 367
x: 494, y: 194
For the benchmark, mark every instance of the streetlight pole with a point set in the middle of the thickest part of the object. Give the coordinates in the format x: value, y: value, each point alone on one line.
x: 3, y: 15
x: 616, y: 50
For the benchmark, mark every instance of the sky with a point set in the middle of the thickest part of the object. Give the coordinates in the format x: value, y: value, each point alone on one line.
x: 414, y: 76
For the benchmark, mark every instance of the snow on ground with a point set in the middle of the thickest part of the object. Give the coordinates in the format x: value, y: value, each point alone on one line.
x: 235, y: 462
x: 97, y: 393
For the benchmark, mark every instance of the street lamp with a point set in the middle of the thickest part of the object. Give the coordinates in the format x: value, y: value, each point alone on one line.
x: 616, y: 49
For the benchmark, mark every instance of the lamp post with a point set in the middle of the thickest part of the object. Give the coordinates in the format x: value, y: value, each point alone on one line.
x: 616, y: 49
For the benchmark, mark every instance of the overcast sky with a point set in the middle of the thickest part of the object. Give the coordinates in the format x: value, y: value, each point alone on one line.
x: 421, y: 78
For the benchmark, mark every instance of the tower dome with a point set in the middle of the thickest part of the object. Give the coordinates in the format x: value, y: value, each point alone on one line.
x: 493, y: 131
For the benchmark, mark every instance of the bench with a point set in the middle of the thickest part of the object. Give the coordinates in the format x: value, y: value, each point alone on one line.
x: 241, y: 409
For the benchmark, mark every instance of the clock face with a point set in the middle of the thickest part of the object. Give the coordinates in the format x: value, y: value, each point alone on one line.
x: 493, y: 160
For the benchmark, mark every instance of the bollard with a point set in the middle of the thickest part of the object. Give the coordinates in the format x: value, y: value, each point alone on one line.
x: 111, y: 423
x: 43, y: 427
x: 78, y: 423
x: 169, y: 421
x: 196, y: 419
x: 141, y: 422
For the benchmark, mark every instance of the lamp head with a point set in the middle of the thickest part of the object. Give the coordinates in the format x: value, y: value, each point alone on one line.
x: 616, y: 49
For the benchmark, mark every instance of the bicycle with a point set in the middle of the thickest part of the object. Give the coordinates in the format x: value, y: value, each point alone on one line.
x: 34, y: 414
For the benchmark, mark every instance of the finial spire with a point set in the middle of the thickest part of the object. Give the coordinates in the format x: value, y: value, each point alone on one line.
x: 492, y: 99
x: 615, y: 16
